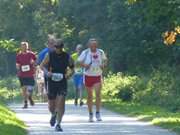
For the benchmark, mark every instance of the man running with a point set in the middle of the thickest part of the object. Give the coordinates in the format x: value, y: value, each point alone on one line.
x: 25, y: 61
x: 58, y: 62
x: 42, y: 54
x: 78, y: 76
x: 93, y: 60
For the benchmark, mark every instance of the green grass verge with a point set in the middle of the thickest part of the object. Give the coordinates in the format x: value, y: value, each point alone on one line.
x: 156, y: 115
x: 9, y: 123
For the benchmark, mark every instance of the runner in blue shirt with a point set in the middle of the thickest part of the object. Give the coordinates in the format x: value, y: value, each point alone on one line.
x: 50, y: 46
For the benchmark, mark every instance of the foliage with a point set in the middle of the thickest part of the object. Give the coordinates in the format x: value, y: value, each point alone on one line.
x: 160, y: 88
x: 170, y: 37
x: 10, y: 88
x: 8, y: 120
x: 130, y: 31
x: 119, y: 86
x: 7, y: 50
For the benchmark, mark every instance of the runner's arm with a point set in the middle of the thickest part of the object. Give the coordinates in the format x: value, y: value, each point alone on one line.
x: 81, y: 60
x: 44, y: 63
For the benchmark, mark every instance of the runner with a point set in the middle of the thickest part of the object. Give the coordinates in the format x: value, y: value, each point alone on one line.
x: 93, y: 60
x: 25, y: 61
x: 78, y: 76
x: 41, y: 92
x: 58, y: 61
x: 42, y: 54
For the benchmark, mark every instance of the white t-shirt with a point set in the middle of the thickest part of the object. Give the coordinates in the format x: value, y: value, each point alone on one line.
x: 95, y: 59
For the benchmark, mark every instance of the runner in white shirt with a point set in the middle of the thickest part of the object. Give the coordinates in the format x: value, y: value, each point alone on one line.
x: 93, y: 60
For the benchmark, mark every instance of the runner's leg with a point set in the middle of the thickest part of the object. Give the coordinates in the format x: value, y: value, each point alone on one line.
x: 75, y: 79
x: 30, y: 94
x: 52, y: 109
x: 76, y: 96
x: 98, y: 100
x: 81, y: 94
x: 52, y: 106
x: 98, y: 87
x: 80, y: 86
x: 25, y: 96
x: 89, y: 98
x: 60, y: 107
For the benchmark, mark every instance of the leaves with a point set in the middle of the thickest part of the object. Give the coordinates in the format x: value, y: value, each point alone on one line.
x: 8, y: 45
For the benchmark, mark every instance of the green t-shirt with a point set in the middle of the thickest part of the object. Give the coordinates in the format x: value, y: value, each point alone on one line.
x: 78, y: 68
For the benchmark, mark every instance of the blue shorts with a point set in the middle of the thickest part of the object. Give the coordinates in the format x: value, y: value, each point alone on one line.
x: 78, y: 80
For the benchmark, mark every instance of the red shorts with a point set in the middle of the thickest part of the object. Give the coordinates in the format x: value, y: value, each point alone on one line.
x: 90, y: 81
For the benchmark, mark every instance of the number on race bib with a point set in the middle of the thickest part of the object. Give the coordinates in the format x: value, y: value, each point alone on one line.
x: 25, y: 68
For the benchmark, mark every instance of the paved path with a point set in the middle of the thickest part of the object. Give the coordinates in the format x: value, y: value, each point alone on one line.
x: 75, y: 122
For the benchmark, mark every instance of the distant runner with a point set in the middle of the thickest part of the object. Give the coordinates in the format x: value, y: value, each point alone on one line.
x: 25, y: 61
x: 93, y: 60
x: 41, y: 92
x: 58, y: 62
x: 78, y: 76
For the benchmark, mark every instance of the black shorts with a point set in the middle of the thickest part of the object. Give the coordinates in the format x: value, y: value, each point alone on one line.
x: 26, y: 81
x: 57, y: 88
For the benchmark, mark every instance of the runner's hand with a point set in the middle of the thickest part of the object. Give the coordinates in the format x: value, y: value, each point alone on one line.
x: 18, y: 66
x: 87, y: 66
x: 32, y: 61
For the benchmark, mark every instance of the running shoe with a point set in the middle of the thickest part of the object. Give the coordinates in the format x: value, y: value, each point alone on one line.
x: 58, y: 128
x: 81, y: 103
x: 25, y: 105
x: 98, y: 116
x: 91, y: 117
x: 75, y: 102
x: 53, y: 120
x: 31, y: 101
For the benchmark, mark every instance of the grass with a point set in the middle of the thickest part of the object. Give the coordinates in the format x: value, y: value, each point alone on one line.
x: 156, y: 115
x: 9, y: 123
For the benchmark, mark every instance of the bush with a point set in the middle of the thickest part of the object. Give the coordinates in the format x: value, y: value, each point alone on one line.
x: 119, y: 86
x: 10, y: 83
x: 160, y: 88
x: 126, y: 93
x: 9, y: 87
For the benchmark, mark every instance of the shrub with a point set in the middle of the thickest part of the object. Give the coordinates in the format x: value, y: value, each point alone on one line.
x: 119, y: 86
x: 126, y: 93
x: 161, y: 88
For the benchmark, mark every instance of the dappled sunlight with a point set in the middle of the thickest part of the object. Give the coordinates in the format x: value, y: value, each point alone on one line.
x: 161, y: 120
x: 171, y: 36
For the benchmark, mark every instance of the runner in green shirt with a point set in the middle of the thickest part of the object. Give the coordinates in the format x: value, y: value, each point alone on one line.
x: 78, y: 76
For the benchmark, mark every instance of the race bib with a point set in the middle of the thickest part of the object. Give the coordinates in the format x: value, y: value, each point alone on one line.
x: 57, y: 77
x: 25, y: 68
x: 95, y: 70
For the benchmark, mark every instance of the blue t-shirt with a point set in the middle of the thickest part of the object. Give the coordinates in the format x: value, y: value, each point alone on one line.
x: 42, y: 55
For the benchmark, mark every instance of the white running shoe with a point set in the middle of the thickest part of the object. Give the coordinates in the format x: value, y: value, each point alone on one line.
x: 98, y: 116
x: 91, y: 117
